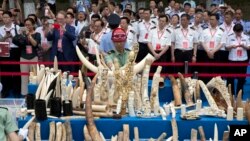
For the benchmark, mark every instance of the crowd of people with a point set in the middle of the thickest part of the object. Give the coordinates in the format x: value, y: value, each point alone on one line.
x: 177, y: 32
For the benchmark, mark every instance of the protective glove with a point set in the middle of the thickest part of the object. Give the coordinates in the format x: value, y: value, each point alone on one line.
x: 23, y: 132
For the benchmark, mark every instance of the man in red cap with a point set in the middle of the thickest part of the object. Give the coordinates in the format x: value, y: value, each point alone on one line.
x: 119, y: 39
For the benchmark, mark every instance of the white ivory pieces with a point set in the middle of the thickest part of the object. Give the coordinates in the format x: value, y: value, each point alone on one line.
x: 174, y: 129
x: 154, y: 95
x: 167, y: 109
x: 172, y: 110
x: 208, y: 95
x: 136, y: 134
x: 144, y: 88
x: 198, y: 104
x: 239, y: 113
x: 230, y: 111
x: 163, y: 114
x: 183, y: 109
x: 119, y: 105
x: 194, y: 134
x: 131, y: 109
x: 216, y: 137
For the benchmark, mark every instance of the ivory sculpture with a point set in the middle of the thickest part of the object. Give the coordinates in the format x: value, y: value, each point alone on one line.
x: 138, y: 94
x: 185, y: 90
x: 154, y: 96
x: 131, y: 104
x: 176, y: 91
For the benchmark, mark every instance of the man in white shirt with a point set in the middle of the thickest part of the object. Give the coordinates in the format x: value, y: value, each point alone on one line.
x: 131, y: 35
x: 144, y: 27
x: 237, y: 43
x: 170, y: 7
x: 212, y: 41
x: 7, y: 32
x: 82, y: 21
x: 184, y: 43
x: 159, y: 40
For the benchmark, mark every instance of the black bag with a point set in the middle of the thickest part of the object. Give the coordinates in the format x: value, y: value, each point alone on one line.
x: 19, y: 40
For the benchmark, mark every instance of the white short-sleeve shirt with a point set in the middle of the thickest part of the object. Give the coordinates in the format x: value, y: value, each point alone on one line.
x: 228, y: 30
x: 184, y: 39
x: 159, y: 39
x: 239, y: 53
x: 143, y: 30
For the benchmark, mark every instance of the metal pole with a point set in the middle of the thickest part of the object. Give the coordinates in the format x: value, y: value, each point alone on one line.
x: 186, y: 67
x: 195, y: 75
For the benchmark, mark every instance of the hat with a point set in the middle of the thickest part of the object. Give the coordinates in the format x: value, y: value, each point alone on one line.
x: 118, y: 35
x: 114, y: 19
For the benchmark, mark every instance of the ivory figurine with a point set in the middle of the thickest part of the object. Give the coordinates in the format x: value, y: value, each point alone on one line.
x: 202, y: 133
x: 185, y: 90
x: 176, y: 91
x: 174, y: 129
x: 194, y: 134
x: 154, y: 96
x: 136, y: 134
x: 131, y: 109
x: 118, y: 80
x: 52, y: 129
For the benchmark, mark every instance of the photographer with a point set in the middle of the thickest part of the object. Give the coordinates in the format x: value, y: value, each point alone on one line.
x: 28, y: 41
x: 7, y: 32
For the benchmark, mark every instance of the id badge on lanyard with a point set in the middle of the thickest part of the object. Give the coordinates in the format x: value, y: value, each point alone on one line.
x: 146, y: 36
x: 158, y: 46
x: 185, y: 44
x: 212, y: 44
x: 28, y: 49
x: 59, y: 43
x: 239, y: 52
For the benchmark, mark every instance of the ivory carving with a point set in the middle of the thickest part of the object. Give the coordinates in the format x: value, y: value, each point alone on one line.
x: 208, y: 95
x: 163, y: 113
x: 154, y: 96
x: 176, y: 91
x: 138, y: 96
x: 240, y: 113
x: 125, y: 132
x: 144, y: 88
x: 216, y: 137
x: 87, y: 137
x: 131, y: 109
x: 119, y: 105
x: 185, y: 90
x: 230, y: 113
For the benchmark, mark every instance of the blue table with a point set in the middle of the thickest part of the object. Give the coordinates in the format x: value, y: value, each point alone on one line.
x: 148, y: 127
x: 151, y: 127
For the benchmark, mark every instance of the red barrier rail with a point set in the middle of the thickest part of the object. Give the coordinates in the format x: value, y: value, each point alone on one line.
x: 225, y: 64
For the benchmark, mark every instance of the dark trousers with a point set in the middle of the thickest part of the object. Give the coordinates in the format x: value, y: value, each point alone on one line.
x: 241, y: 80
x: 61, y: 58
x: 182, y: 56
x: 162, y: 59
x: 11, y: 82
x: 143, y: 51
x: 223, y: 59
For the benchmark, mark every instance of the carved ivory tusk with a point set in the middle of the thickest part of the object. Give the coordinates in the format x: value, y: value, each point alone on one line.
x: 185, y: 90
x: 176, y: 91
x: 137, y: 68
x: 208, y: 95
x: 239, y: 103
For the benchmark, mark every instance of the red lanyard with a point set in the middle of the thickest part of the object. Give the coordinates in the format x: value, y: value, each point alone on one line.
x: 160, y: 35
x: 228, y: 29
x: 98, y: 36
x: 184, y: 33
x: 238, y: 40
x: 213, y: 33
x: 147, y: 26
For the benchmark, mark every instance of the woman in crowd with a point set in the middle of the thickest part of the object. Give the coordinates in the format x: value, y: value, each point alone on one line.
x: 28, y: 41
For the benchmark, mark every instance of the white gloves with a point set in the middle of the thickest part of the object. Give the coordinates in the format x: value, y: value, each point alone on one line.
x: 23, y: 132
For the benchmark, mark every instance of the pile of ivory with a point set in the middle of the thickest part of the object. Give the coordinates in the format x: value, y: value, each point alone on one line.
x: 57, y: 132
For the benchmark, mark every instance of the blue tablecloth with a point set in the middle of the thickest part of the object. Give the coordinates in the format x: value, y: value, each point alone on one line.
x: 148, y: 127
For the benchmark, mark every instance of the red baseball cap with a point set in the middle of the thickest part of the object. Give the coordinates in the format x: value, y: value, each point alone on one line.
x: 118, y: 35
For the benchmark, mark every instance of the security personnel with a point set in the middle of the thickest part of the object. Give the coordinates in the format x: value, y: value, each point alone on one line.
x: 237, y: 43
x: 119, y: 38
x: 144, y: 27
x: 184, y: 43
x: 8, y: 127
x: 212, y: 41
x: 159, y: 40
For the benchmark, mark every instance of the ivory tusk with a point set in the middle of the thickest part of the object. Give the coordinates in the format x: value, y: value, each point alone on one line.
x: 239, y: 103
x: 58, y: 131
x: 64, y: 134
x: 202, y: 133
x: 176, y: 91
x: 26, y: 126
x: 87, y: 137
x: 55, y: 64
x: 120, y: 136
x: 136, y: 134
x: 174, y: 129
x: 170, y: 138
x: 68, y: 130
x: 38, y: 91
x: 38, y: 132
x: 52, y: 130
x: 125, y: 132
x: 193, y: 134
x: 162, y: 137
x: 215, y: 132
